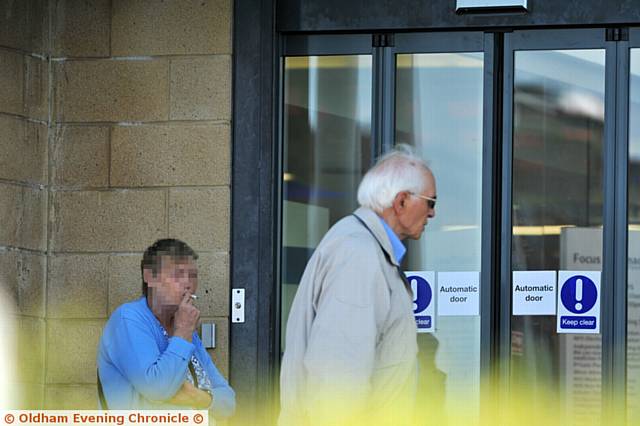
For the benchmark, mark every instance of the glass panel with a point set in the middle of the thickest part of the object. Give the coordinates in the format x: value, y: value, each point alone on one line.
x: 327, y: 148
x: 439, y: 111
x: 633, y: 278
x: 558, y: 129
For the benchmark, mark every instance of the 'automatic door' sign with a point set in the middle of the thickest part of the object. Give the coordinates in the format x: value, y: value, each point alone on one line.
x: 579, y: 302
x: 534, y: 293
x: 458, y: 293
x: 423, y: 285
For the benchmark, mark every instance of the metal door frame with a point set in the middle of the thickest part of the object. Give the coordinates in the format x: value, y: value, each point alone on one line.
x: 613, y: 298
x: 258, y: 45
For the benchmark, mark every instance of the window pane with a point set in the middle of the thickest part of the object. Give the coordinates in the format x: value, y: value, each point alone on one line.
x: 327, y: 148
x: 633, y: 278
x: 439, y: 111
x: 558, y: 122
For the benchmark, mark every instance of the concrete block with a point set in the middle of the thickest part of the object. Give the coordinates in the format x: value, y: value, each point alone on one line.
x: 23, y: 212
x: 71, y: 397
x: 220, y: 354
x: 81, y: 156
x: 213, y: 284
x: 31, y: 350
x: 200, y: 217
x: 169, y: 155
x: 77, y: 286
x: 125, y: 279
x: 107, y: 221
x: 11, y: 82
x: 81, y: 28
x: 24, y: 85
x: 72, y: 347
x: 201, y: 88
x: 23, y: 275
x: 157, y: 27
x: 36, y: 94
x: 24, y: 25
x: 23, y: 151
x: 112, y: 90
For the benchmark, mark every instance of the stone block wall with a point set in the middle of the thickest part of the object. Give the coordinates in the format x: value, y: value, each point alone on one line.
x: 115, y: 123
x: 24, y: 177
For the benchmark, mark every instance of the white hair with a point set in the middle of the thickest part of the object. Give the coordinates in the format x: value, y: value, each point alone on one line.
x: 397, y: 171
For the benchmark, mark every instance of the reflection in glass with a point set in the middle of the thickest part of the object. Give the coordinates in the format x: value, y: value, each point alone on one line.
x: 633, y: 271
x: 327, y: 149
x: 439, y: 112
x: 558, y: 122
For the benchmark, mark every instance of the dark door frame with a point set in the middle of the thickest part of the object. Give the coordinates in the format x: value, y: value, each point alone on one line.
x: 256, y: 231
x: 615, y: 160
x: 305, y: 16
x: 255, y: 183
x: 253, y: 236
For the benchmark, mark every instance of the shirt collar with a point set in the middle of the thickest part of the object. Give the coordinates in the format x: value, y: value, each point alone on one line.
x: 399, y: 249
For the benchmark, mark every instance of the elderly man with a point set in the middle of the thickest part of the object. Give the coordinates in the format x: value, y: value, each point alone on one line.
x: 150, y: 356
x: 351, y: 345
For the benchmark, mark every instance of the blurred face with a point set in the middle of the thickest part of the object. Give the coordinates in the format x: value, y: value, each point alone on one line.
x: 414, y: 212
x: 177, y: 276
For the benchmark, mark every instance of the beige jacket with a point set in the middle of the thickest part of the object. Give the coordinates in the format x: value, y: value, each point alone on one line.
x: 351, y: 337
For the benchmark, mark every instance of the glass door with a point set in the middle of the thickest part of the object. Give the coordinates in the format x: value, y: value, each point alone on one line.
x: 439, y: 83
x: 327, y: 146
x: 431, y: 91
x: 527, y: 252
x: 631, y: 126
x: 555, y: 162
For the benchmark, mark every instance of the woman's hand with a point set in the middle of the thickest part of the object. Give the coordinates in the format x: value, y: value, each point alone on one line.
x: 190, y: 396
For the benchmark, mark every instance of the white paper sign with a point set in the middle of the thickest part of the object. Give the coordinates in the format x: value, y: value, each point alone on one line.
x: 534, y: 293
x: 458, y: 293
x: 423, y: 286
x: 578, y: 302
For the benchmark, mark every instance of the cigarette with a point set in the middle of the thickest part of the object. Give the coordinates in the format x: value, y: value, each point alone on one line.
x: 194, y: 297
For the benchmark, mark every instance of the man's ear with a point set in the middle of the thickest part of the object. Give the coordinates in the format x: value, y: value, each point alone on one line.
x: 399, y: 201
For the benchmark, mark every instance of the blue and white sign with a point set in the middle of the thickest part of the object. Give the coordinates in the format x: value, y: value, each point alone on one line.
x: 579, y: 302
x: 423, y: 285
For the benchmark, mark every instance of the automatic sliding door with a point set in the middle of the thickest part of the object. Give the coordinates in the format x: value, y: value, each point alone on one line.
x: 633, y: 211
x: 558, y: 138
x: 439, y: 110
x: 433, y: 91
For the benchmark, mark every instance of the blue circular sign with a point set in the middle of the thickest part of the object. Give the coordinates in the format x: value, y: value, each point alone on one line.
x: 579, y: 294
x: 423, y: 294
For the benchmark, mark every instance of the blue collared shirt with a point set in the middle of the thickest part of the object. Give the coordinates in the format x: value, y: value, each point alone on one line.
x: 399, y: 249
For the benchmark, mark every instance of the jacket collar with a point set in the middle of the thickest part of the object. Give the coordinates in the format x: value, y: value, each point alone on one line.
x: 372, y: 220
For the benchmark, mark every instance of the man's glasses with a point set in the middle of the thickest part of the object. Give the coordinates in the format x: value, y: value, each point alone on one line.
x: 431, y: 202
